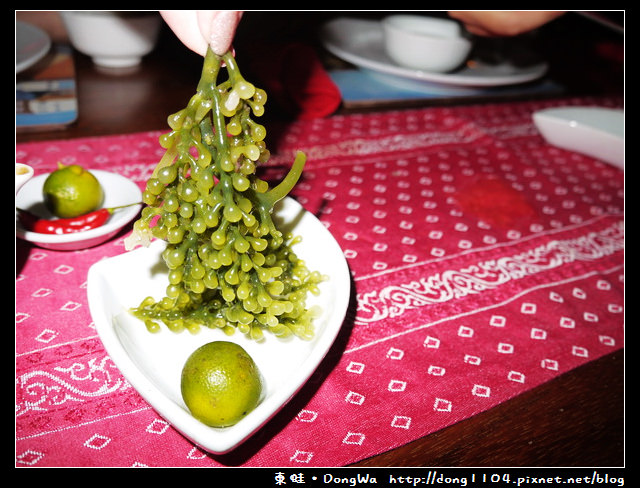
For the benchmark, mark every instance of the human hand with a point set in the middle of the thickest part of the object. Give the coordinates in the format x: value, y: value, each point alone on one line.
x: 199, y: 29
x: 503, y: 22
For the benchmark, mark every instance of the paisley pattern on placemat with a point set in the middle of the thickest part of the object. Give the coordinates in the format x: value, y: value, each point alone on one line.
x: 485, y: 262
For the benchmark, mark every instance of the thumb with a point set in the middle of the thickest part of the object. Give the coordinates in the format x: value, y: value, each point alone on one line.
x: 218, y: 27
x: 199, y: 29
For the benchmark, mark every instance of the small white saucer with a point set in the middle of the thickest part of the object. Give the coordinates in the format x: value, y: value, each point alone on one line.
x: 118, y: 191
x: 32, y: 44
x: 361, y: 42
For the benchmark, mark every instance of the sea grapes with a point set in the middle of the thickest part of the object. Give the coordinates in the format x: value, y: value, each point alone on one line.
x: 229, y: 266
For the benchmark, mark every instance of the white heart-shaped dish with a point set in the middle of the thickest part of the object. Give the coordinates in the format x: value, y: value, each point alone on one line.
x: 152, y: 363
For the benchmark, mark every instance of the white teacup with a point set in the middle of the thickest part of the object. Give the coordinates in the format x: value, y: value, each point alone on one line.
x: 425, y: 43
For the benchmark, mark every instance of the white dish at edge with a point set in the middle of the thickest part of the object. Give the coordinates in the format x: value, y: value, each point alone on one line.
x: 595, y: 131
x: 32, y: 44
x: 361, y: 42
x: 153, y: 363
x: 118, y: 190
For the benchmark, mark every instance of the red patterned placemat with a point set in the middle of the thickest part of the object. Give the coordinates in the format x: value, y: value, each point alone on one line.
x: 485, y: 262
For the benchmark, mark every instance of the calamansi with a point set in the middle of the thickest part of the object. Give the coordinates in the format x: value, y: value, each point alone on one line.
x: 71, y: 191
x: 220, y: 383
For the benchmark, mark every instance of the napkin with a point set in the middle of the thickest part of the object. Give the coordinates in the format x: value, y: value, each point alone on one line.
x: 294, y: 76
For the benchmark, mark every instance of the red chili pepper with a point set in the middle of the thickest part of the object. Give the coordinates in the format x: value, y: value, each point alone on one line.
x: 84, y: 222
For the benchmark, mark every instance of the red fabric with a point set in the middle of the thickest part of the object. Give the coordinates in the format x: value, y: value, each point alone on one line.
x: 485, y: 262
x: 294, y: 76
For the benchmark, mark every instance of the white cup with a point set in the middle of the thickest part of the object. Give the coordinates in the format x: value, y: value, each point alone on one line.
x: 425, y: 43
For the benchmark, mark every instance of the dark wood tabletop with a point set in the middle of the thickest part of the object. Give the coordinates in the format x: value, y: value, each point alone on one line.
x: 576, y: 419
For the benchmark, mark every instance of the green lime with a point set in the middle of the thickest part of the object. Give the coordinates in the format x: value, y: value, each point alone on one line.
x: 71, y: 191
x: 220, y: 383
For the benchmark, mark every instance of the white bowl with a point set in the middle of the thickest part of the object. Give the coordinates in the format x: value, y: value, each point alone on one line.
x: 113, y: 39
x: 425, y: 43
x: 118, y: 190
x: 24, y: 173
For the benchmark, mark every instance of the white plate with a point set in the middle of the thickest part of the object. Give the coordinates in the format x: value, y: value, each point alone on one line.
x: 152, y: 363
x: 361, y: 42
x: 595, y: 131
x: 118, y: 190
x: 32, y: 44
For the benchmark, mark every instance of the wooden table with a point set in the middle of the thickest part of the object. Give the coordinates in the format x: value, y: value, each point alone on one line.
x: 575, y: 420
